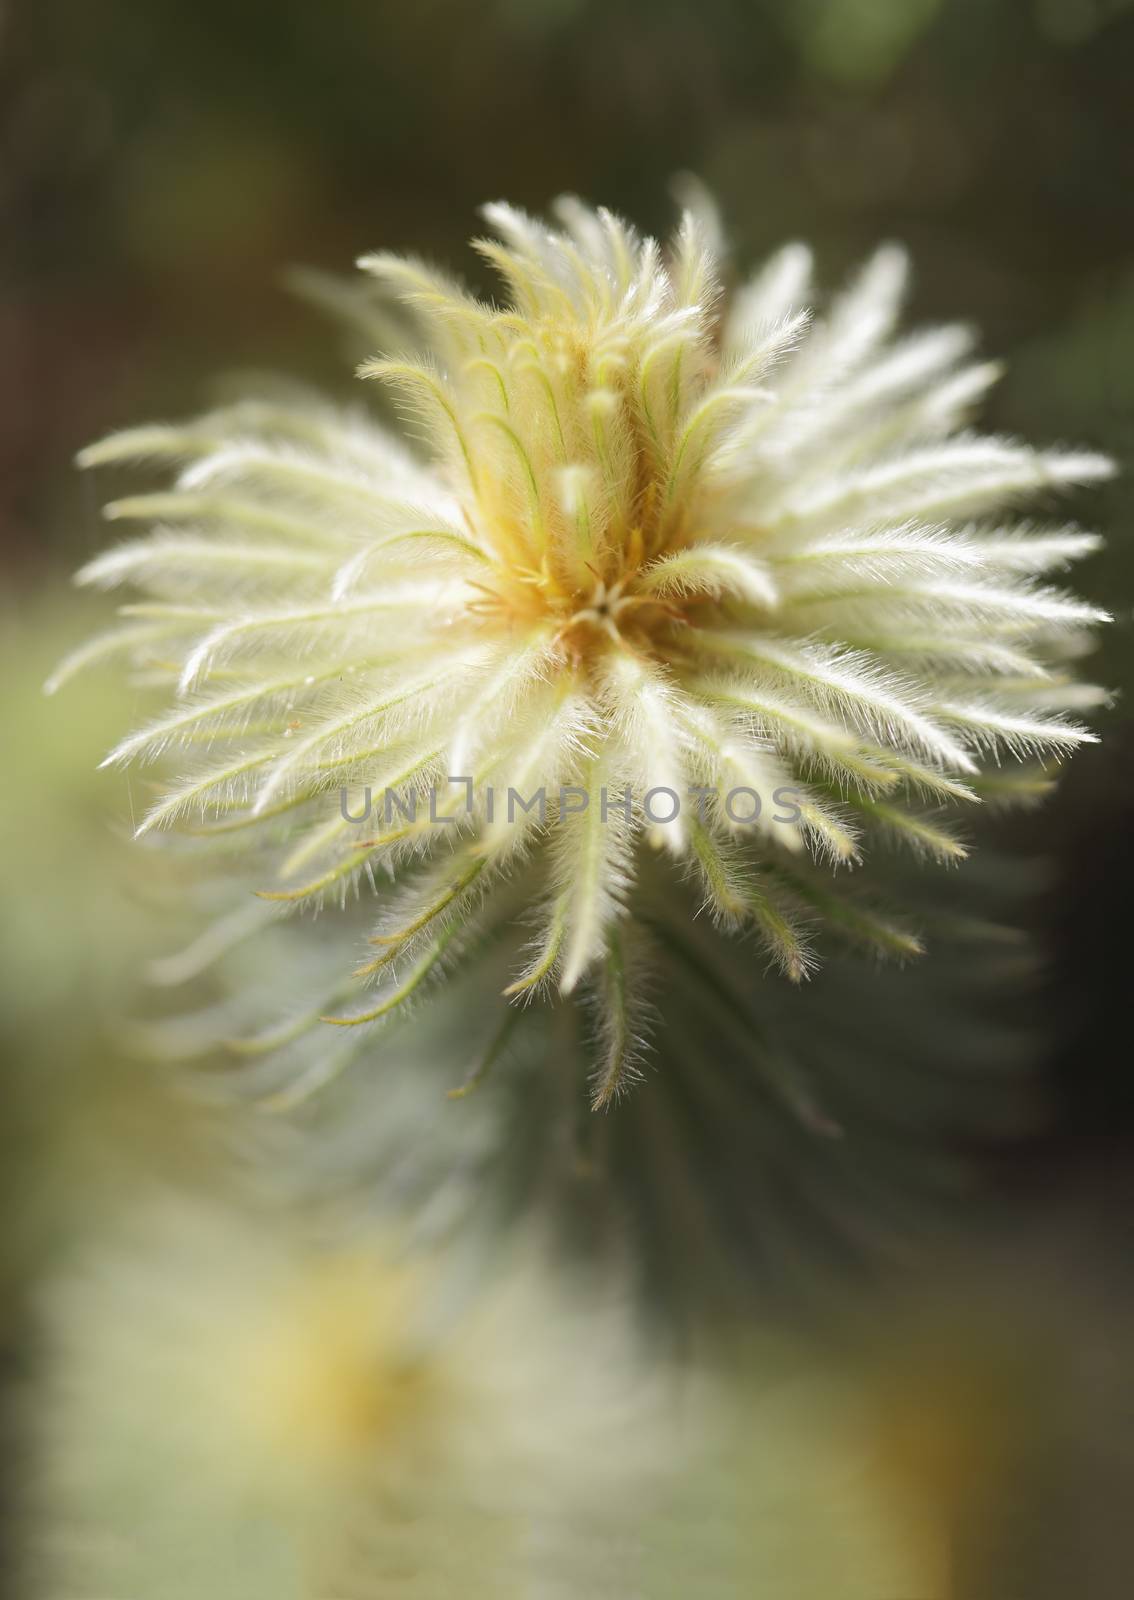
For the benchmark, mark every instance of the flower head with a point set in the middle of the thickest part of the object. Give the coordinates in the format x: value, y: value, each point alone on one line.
x: 676, y: 569
x: 226, y: 1408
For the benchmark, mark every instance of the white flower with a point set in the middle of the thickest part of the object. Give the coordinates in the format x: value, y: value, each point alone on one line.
x: 661, y: 541
x: 225, y: 1410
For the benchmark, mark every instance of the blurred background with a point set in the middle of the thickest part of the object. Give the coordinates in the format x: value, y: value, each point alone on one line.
x: 160, y: 168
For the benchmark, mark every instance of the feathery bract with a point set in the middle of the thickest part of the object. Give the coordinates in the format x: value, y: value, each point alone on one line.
x: 672, y: 569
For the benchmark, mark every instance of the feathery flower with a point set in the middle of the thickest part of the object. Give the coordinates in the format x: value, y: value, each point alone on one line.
x: 226, y: 1410
x: 696, y: 572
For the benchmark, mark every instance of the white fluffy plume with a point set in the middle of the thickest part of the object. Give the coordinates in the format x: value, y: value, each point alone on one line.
x: 659, y: 541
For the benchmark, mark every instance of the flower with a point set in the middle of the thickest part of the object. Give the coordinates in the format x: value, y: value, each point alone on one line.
x: 697, y: 572
x: 227, y: 1408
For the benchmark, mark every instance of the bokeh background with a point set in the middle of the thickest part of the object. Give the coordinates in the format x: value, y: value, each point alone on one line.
x: 161, y: 165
